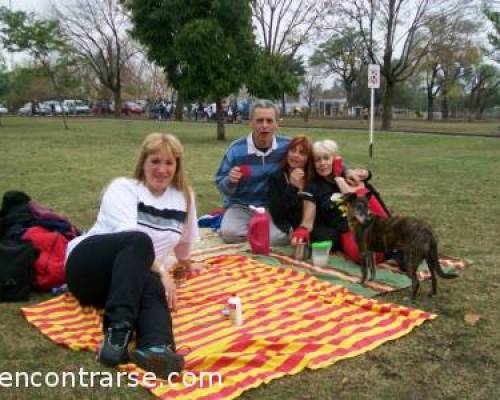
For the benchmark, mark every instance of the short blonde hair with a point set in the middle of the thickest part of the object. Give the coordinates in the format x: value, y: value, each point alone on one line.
x: 327, y: 147
x: 155, y: 142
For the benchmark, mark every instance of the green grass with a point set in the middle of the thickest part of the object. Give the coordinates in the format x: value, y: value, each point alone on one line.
x: 464, y: 127
x: 450, y: 181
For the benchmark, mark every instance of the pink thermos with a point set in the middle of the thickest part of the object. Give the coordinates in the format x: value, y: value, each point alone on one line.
x: 258, y: 231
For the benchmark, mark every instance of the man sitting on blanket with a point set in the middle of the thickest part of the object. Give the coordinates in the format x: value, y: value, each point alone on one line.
x: 244, y: 173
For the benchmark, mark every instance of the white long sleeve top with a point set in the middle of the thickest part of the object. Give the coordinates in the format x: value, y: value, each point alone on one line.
x: 128, y: 205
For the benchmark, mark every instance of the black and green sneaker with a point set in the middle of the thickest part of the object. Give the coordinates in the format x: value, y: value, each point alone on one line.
x: 161, y: 360
x: 114, y: 347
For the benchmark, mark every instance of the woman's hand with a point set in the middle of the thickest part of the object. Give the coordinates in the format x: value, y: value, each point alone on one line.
x: 343, y: 186
x: 297, y: 178
x: 196, y: 269
x: 170, y: 290
x: 356, y: 176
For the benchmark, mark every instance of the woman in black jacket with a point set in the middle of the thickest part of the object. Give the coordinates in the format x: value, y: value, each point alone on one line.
x: 286, y: 206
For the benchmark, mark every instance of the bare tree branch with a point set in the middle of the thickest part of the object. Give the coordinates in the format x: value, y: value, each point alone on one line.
x: 96, y: 30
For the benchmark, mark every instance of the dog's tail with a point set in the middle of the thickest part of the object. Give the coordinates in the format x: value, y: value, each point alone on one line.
x: 433, y: 261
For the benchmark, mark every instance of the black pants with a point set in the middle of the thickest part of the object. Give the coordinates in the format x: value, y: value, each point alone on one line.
x: 113, y: 271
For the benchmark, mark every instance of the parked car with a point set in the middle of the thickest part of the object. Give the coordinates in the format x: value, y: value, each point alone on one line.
x: 142, y: 103
x: 103, y: 107
x: 129, y: 107
x: 76, y: 107
x: 3, y: 109
x: 38, y: 109
x: 54, y: 107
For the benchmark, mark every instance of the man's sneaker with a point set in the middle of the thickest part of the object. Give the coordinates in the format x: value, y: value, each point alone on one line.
x: 113, y: 350
x: 160, y: 360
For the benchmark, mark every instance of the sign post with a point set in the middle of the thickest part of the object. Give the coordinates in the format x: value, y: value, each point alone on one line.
x: 373, y: 83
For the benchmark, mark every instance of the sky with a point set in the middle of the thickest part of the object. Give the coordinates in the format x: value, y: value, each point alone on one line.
x: 40, y: 6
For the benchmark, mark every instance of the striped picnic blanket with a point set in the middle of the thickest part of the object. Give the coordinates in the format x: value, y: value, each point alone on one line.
x: 292, y: 321
x: 340, y: 271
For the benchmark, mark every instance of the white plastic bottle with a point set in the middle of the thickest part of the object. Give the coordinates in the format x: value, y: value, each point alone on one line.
x: 235, y: 310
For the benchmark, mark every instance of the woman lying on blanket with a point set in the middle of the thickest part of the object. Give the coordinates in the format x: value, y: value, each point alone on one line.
x: 324, y: 214
x: 123, y: 262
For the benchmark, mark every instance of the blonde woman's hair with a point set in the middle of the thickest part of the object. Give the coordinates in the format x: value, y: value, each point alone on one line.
x: 155, y: 142
x: 325, y: 147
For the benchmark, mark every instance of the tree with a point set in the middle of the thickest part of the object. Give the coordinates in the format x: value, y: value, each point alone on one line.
x: 206, y: 47
x: 344, y: 55
x: 450, y: 50
x: 494, y: 38
x: 311, y: 90
x: 41, y: 39
x: 97, y: 32
x: 4, y: 84
x: 283, y: 28
x: 483, y: 81
x: 403, y: 23
x: 273, y: 75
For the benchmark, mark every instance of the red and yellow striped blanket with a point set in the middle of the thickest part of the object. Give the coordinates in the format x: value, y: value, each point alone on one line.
x: 292, y: 321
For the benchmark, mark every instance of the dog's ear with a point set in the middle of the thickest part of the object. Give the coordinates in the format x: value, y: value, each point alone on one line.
x: 349, y: 197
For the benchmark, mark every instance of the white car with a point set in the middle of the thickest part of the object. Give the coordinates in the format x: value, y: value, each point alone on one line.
x: 54, y: 107
x: 76, y: 106
x: 40, y: 109
x: 3, y: 109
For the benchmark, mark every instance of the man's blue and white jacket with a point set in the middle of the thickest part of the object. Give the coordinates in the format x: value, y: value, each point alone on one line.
x: 252, y: 190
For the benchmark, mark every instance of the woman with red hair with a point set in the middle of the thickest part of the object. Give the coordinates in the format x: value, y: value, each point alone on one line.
x: 286, y: 205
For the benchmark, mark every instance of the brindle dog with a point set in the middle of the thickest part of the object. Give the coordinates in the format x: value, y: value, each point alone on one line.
x: 411, y: 236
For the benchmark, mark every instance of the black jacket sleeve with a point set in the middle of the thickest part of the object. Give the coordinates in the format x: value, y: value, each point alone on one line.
x: 285, y: 205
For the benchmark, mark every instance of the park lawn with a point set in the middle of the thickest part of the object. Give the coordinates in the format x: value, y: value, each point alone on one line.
x: 450, y: 181
x: 453, y: 127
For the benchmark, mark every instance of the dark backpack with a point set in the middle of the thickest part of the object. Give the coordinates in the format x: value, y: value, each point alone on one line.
x: 16, y: 269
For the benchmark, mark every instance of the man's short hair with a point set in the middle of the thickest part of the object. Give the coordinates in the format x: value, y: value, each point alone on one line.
x: 264, y: 104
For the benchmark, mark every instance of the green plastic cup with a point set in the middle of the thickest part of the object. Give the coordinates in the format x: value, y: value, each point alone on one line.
x: 321, y: 252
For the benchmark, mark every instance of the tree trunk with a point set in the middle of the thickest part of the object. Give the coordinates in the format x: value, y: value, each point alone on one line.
x: 179, y: 107
x: 58, y: 96
x: 307, y: 112
x: 117, y: 97
x: 348, y: 93
x: 430, y: 104
x: 444, y: 107
x: 387, y: 103
x: 478, y: 111
x: 219, y: 111
x: 64, y: 116
x: 283, y: 104
x: 472, y: 106
x: 444, y: 102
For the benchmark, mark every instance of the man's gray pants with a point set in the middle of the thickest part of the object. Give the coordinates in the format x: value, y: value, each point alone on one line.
x: 234, y: 227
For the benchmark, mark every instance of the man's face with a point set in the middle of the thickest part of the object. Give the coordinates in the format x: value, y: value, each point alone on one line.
x: 263, y: 125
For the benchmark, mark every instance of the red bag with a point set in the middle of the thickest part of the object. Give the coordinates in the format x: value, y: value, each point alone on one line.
x: 49, y: 266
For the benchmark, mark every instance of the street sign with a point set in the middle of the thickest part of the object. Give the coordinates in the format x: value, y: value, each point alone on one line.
x: 373, y: 76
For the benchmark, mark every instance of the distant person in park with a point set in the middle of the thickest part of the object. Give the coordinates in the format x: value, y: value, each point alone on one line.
x: 122, y: 263
x: 296, y: 169
x: 245, y: 171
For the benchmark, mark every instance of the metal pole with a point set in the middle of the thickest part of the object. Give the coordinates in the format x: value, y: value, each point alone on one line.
x: 372, y: 106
